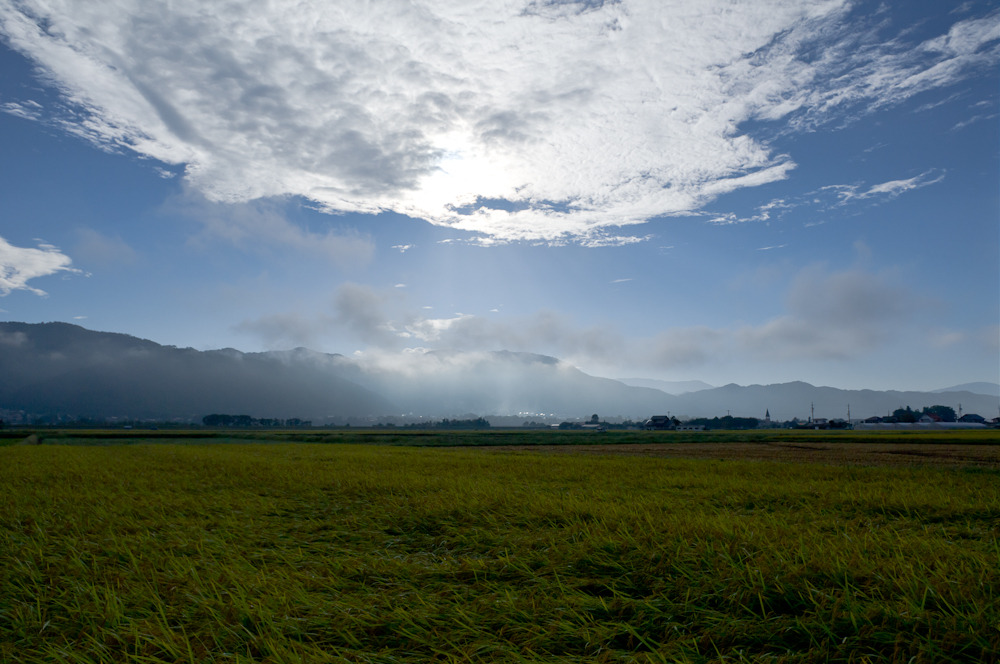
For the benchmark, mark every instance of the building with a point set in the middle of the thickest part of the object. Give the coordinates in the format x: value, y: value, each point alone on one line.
x: 660, y: 423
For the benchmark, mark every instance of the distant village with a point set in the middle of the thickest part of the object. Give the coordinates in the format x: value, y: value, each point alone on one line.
x: 940, y: 417
x: 934, y: 417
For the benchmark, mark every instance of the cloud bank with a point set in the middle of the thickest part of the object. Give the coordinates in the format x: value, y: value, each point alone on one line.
x: 514, y: 120
x: 828, y: 316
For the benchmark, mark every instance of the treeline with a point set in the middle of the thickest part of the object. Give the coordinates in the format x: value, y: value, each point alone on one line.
x: 245, y: 421
x: 727, y: 422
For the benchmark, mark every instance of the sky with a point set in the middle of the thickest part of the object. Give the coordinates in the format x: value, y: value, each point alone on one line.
x: 733, y: 192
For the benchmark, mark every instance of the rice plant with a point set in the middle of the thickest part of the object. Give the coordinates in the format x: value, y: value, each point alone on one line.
x: 364, y: 553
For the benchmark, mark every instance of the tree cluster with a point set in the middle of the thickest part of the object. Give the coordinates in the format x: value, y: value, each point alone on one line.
x: 727, y: 422
x: 908, y: 415
x: 246, y: 422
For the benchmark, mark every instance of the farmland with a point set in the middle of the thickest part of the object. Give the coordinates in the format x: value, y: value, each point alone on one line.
x: 499, y: 546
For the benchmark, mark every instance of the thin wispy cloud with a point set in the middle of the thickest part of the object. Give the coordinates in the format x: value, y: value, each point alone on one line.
x: 27, y: 110
x: 831, y: 198
x: 974, y: 119
x: 545, y: 122
x: 263, y: 227
x: 896, y: 187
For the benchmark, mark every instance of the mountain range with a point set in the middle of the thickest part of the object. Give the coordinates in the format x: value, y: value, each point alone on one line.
x: 58, y: 370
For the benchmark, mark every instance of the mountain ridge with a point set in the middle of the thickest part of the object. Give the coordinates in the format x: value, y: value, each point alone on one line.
x: 61, y: 370
x: 980, y: 387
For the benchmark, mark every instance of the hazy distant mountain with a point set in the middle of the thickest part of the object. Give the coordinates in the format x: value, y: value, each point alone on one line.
x: 788, y: 400
x: 668, y: 386
x: 992, y: 389
x: 60, y: 369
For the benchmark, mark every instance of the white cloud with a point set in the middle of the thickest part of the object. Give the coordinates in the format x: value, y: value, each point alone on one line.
x: 19, y: 265
x: 27, y: 110
x: 538, y: 121
x: 894, y: 188
x: 428, y: 329
x: 863, y: 68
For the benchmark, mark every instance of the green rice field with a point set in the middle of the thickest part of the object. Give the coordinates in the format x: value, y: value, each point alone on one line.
x: 333, y: 551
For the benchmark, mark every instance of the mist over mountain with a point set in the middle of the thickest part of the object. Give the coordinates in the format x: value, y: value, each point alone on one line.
x: 63, y: 370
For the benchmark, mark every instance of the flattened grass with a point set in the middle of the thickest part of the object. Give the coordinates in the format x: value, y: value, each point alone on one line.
x: 320, y: 553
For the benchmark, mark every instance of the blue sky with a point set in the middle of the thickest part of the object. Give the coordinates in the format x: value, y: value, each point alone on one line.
x: 750, y: 193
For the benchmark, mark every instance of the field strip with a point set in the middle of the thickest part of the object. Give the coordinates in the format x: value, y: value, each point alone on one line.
x: 836, y: 453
